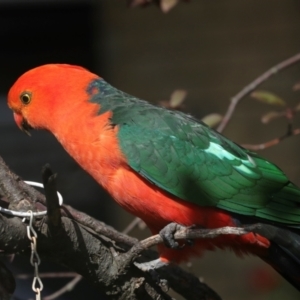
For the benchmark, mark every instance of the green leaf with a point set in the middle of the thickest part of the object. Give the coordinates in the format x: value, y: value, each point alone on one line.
x: 212, y: 120
x: 268, y: 98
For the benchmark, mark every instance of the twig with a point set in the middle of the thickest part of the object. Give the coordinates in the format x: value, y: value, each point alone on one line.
x: 48, y: 275
x: 131, y: 225
x: 253, y: 85
x: 66, y: 288
x: 184, y: 233
x: 97, y: 226
x: 272, y: 142
x: 180, y: 232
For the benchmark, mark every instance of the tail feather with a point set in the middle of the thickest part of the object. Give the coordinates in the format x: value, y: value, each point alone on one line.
x: 285, y: 263
x: 284, y: 252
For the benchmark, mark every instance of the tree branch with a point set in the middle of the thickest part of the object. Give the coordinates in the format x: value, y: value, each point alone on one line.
x: 88, y: 247
x: 253, y: 85
x: 272, y: 142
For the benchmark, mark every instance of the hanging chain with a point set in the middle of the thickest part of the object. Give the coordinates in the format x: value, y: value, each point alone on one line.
x: 37, y: 285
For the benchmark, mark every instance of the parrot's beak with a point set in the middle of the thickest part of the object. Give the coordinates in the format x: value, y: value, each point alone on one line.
x: 22, y: 123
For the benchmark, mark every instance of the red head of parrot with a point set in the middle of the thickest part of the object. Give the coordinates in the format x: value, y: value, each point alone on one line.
x: 36, y: 97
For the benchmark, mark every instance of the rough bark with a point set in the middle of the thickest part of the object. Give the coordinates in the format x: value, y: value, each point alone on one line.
x: 87, y: 246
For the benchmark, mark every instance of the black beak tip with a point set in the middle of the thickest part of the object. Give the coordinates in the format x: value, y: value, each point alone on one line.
x: 26, y: 127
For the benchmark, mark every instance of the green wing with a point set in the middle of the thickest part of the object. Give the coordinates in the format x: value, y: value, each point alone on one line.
x: 184, y: 157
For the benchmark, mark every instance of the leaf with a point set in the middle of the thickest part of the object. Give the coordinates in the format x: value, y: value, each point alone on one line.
x: 212, y: 120
x: 297, y: 108
x: 167, y: 5
x: 177, y: 98
x: 296, y: 87
x: 268, y: 98
x: 270, y: 116
x: 136, y: 3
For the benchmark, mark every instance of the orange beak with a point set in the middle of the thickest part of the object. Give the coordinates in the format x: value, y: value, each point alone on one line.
x: 22, y: 123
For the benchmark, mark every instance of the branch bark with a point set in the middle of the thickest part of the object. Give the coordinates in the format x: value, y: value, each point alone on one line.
x: 85, y: 245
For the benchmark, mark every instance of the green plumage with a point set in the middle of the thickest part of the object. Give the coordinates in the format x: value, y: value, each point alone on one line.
x: 184, y: 157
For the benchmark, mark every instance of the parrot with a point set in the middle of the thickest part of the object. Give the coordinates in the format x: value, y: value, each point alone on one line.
x: 165, y: 166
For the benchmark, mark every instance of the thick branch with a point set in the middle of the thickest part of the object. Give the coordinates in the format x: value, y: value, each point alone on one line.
x: 79, y: 250
x: 85, y: 245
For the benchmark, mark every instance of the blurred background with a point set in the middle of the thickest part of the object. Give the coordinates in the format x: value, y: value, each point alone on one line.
x: 212, y: 49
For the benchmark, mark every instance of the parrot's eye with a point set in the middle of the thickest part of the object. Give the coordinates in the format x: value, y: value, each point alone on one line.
x: 25, y: 98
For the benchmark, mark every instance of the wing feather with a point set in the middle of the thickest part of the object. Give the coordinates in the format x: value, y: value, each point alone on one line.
x: 185, y: 158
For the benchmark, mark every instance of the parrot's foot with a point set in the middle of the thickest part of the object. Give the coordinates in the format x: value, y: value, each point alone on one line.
x: 167, y: 234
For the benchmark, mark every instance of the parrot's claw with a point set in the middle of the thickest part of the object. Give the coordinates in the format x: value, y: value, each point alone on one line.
x: 167, y: 234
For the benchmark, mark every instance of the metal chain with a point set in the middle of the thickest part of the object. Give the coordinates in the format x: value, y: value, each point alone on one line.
x: 37, y: 285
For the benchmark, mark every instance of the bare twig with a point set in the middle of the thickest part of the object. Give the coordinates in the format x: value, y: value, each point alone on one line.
x: 49, y: 275
x: 131, y: 225
x: 272, y: 142
x: 253, y: 85
x: 184, y: 233
x: 66, y: 288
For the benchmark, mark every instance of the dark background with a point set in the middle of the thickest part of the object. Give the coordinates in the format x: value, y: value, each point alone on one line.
x: 210, y: 48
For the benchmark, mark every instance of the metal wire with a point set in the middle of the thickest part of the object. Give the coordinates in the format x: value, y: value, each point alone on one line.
x: 26, y: 214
